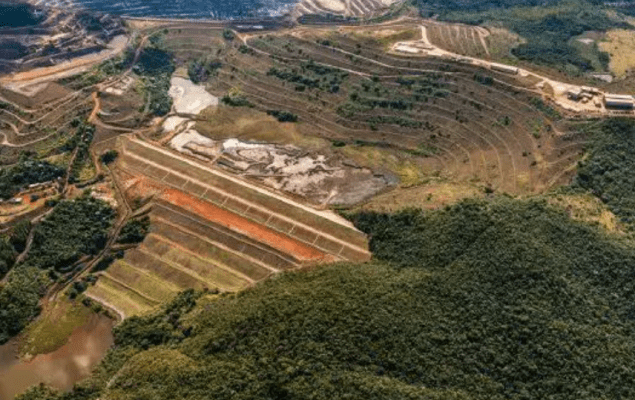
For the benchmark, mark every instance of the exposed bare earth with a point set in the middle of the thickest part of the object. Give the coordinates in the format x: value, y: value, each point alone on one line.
x: 212, y: 231
x: 190, y: 98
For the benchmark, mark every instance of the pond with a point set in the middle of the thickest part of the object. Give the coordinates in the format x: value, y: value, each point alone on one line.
x: 70, y: 363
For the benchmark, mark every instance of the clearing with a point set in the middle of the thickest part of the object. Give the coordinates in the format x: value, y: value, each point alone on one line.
x: 619, y: 44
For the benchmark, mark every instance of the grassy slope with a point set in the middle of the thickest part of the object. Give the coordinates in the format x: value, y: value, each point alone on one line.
x: 52, y: 330
x: 484, y: 300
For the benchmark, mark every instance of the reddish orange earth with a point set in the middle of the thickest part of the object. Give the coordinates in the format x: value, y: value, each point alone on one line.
x: 230, y: 220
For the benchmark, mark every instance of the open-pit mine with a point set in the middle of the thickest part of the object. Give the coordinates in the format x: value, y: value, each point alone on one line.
x: 232, y: 151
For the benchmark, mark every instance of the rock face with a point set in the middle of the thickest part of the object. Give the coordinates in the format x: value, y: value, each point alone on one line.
x: 32, y: 36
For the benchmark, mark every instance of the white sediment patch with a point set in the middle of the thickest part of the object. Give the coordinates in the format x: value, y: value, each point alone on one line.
x: 190, y: 98
x: 319, y: 178
x: 333, y: 5
x: 231, y: 144
x: 190, y: 137
x: 172, y: 123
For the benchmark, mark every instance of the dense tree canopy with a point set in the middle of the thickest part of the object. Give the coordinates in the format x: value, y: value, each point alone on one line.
x: 74, y: 228
x: 608, y: 170
x: 547, y: 27
x: 19, y: 299
x: 135, y: 230
x: 156, y: 66
x: 26, y: 172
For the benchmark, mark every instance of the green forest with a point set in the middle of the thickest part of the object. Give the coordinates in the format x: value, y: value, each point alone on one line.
x: 486, y: 299
x: 75, y: 228
x: 26, y: 172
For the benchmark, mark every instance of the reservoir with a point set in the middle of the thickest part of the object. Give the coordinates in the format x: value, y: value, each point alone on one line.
x: 60, y: 369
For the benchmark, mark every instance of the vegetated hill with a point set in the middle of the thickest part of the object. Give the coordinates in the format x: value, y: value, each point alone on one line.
x: 483, y: 5
x: 498, y: 299
x: 437, y: 115
x: 608, y: 170
x: 547, y: 28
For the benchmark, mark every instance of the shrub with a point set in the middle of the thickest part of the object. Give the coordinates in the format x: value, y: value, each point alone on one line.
x: 283, y: 116
x: 228, y: 34
x: 236, y: 100
x: 109, y: 156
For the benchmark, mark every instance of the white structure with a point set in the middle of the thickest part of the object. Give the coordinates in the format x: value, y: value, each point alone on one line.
x: 619, y: 101
x: 508, y: 69
x: 574, y: 93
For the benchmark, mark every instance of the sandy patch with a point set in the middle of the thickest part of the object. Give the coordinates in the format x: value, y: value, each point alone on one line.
x: 603, y: 77
x: 190, y: 98
x: 120, y: 87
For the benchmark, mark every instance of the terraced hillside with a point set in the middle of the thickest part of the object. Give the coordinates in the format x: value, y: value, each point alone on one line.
x: 460, y: 39
x: 423, y: 118
x: 43, y: 126
x: 181, y: 9
x: 211, y: 230
x: 52, y: 78
x: 353, y: 8
x: 469, y: 123
x: 36, y: 36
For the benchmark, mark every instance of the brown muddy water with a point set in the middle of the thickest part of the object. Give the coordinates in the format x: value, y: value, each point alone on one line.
x: 85, y: 348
